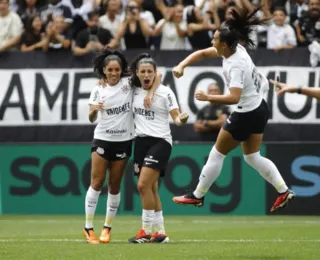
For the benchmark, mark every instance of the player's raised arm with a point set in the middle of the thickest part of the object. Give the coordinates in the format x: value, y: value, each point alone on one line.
x: 193, y: 58
x: 307, y: 91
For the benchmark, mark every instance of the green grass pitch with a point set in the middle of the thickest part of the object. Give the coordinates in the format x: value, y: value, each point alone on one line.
x: 191, y: 237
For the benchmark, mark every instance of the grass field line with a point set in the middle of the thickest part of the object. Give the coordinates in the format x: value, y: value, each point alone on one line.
x: 169, y: 221
x: 173, y: 241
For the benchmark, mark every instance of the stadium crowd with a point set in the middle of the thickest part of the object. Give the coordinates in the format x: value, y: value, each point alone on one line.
x: 85, y: 26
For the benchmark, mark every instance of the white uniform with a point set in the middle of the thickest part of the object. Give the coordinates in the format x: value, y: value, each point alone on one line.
x: 116, y: 120
x: 240, y: 72
x: 154, y: 121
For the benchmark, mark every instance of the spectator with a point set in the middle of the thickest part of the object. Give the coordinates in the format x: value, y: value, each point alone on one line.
x: 11, y: 27
x: 308, y: 26
x: 102, y: 5
x: 296, y: 9
x: 13, y: 5
x: 203, y: 5
x: 27, y: 10
x: 79, y: 7
x: 199, y: 27
x: 211, y: 117
x: 58, y: 35
x: 280, y: 35
x: 55, y: 8
x: 133, y: 29
x: 93, y: 38
x: 111, y: 20
x: 146, y: 15
x: 173, y: 30
x: 32, y: 39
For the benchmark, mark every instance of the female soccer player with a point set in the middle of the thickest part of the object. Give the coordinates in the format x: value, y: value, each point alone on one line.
x: 246, y: 124
x: 112, y: 143
x: 152, y: 146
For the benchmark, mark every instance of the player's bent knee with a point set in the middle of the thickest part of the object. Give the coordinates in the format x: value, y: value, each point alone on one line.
x: 252, y: 159
x: 97, y: 182
x: 215, y: 155
x: 143, y: 187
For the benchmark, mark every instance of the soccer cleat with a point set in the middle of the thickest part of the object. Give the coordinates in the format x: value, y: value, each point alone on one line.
x: 105, y: 235
x: 189, y: 199
x: 283, y: 200
x: 140, y: 238
x: 90, y: 236
x: 159, y: 238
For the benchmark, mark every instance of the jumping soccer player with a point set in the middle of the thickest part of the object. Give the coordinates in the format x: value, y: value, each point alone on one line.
x: 246, y: 124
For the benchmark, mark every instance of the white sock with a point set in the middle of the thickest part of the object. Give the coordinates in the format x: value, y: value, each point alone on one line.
x: 158, y: 222
x: 113, y: 202
x: 91, y: 205
x: 209, y: 173
x: 147, y: 220
x: 267, y: 170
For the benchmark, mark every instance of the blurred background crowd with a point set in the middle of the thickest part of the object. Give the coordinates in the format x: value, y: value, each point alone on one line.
x: 84, y: 26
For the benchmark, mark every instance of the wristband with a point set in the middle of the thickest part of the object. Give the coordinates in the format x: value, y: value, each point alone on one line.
x: 299, y: 90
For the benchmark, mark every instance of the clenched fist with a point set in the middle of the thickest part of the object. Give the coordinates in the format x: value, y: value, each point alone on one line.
x: 178, y: 71
x: 183, y: 118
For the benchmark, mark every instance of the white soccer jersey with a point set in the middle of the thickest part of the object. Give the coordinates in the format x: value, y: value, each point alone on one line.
x: 240, y: 72
x: 155, y: 120
x: 116, y: 120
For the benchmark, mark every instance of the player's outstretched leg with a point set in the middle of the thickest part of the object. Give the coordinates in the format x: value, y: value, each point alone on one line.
x: 210, y: 172
x: 267, y: 170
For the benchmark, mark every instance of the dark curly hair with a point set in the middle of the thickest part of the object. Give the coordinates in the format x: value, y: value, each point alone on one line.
x: 104, y: 57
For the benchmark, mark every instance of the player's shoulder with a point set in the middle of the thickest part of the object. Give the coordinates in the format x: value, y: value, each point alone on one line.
x: 163, y: 90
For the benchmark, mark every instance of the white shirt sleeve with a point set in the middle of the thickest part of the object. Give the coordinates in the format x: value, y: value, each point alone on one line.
x: 236, y: 77
x: 94, y: 96
x: 291, y: 36
x: 17, y: 26
x: 171, y: 100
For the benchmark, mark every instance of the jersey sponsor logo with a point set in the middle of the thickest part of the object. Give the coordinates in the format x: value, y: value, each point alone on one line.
x: 96, y: 95
x: 118, y: 110
x: 170, y: 100
x: 116, y: 132
x: 148, y: 114
x: 100, y: 150
x: 121, y: 155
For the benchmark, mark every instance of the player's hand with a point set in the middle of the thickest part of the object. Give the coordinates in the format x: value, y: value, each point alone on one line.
x: 178, y: 71
x: 98, y: 107
x: 282, y: 88
x: 147, y: 102
x: 201, y: 96
x: 183, y: 118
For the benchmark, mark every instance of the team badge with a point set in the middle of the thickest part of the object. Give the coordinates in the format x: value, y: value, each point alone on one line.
x: 100, y: 150
x: 125, y: 88
x: 136, y: 168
